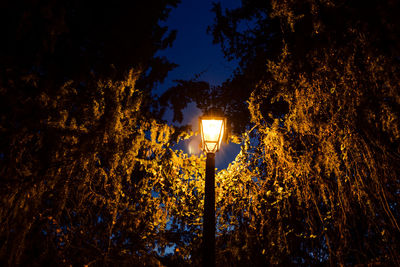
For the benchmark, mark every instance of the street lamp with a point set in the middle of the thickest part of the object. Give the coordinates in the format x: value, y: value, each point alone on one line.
x: 212, y: 132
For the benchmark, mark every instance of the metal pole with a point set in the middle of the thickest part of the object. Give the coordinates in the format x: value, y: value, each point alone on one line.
x: 209, y: 213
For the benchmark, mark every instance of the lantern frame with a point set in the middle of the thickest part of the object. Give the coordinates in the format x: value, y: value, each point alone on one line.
x: 205, y: 144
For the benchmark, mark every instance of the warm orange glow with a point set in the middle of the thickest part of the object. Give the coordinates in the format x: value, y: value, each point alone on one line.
x: 212, y: 129
x: 212, y: 132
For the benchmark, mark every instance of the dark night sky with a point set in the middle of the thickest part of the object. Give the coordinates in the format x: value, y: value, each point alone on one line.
x: 194, y: 52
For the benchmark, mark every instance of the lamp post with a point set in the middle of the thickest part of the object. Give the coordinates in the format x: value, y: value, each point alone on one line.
x: 212, y: 131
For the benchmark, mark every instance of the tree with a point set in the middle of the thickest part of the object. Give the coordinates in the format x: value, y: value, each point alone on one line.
x: 87, y: 173
x: 322, y: 177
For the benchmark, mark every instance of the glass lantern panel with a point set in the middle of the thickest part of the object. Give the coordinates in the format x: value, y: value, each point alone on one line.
x: 212, y: 130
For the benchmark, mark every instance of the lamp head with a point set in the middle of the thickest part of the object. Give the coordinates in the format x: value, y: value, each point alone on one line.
x: 212, y: 130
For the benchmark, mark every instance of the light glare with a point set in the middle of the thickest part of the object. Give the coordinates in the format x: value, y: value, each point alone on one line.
x: 212, y: 131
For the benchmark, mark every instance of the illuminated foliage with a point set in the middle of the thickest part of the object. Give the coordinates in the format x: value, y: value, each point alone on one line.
x: 89, y: 175
x: 321, y: 182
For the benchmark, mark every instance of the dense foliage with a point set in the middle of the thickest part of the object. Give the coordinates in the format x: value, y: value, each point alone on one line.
x: 89, y: 175
x: 85, y: 168
x: 92, y: 185
x: 324, y: 153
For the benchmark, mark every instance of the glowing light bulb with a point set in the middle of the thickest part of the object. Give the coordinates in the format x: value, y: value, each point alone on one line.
x: 212, y: 133
x: 212, y: 129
